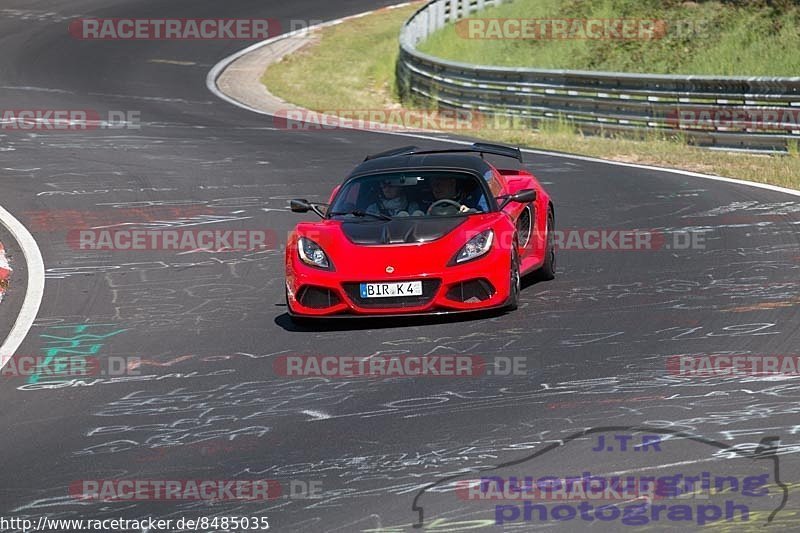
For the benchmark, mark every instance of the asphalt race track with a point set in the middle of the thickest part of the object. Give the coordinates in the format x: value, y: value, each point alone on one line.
x: 208, y: 326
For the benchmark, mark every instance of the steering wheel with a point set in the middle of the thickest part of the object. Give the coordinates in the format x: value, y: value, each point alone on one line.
x: 441, y: 203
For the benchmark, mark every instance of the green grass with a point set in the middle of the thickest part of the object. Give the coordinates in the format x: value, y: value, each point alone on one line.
x: 351, y: 66
x: 698, y: 38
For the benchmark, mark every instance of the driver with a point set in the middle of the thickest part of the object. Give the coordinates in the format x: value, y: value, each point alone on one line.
x: 392, y: 201
x: 446, y: 188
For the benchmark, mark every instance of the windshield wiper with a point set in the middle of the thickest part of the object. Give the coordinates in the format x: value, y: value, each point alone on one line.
x: 362, y: 213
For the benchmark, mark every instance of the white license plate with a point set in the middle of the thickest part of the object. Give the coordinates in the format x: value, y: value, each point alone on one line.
x: 391, y: 290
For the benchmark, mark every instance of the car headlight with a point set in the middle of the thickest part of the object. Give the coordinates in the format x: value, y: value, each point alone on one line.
x: 475, y: 247
x: 312, y: 254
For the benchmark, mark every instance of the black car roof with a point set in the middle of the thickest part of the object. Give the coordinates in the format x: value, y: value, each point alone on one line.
x: 467, y: 162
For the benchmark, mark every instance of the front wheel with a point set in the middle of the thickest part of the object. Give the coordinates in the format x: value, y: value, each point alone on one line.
x: 548, y: 269
x: 515, y: 281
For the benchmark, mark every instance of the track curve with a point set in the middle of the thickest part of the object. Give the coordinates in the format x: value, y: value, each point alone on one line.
x: 207, y: 405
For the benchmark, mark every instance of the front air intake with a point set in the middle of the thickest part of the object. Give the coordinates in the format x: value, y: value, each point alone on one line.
x: 317, y: 297
x: 472, y: 291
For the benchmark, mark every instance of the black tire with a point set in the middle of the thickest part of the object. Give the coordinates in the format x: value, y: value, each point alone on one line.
x: 548, y: 269
x: 515, y: 281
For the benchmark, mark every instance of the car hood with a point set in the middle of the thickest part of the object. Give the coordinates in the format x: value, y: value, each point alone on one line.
x: 401, y: 230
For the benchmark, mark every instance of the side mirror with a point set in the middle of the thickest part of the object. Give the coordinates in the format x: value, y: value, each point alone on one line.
x: 300, y: 205
x: 523, y: 197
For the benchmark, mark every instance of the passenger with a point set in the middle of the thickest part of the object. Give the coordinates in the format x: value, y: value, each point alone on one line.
x: 392, y: 201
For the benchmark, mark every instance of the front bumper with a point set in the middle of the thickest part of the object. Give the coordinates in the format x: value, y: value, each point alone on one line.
x: 480, y: 284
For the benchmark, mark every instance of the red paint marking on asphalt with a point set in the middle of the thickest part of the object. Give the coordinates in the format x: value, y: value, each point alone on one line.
x: 5, y: 271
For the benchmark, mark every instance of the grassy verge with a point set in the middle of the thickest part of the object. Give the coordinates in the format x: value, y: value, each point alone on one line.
x: 351, y: 66
x: 706, y: 37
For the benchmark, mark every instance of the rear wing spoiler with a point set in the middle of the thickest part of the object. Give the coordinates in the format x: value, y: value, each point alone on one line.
x: 498, y: 149
x: 481, y: 148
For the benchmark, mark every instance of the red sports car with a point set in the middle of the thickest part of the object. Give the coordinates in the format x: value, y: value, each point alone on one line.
x: 421, y: 232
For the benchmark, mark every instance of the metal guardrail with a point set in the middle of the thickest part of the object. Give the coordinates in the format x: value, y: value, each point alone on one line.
x: 731, y: 112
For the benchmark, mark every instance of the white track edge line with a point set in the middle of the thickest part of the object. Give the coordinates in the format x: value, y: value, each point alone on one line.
x: 35, y: 289
x: 216, y: 70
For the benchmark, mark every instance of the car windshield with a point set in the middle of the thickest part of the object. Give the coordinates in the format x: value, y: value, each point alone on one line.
x: 415, y: 194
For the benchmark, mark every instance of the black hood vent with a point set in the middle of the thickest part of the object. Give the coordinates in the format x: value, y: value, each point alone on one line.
x: 401, y: 230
